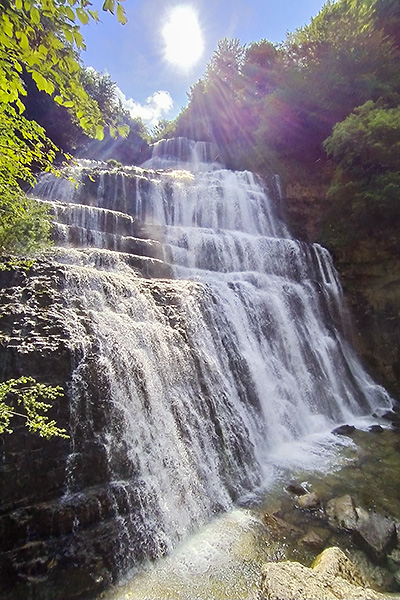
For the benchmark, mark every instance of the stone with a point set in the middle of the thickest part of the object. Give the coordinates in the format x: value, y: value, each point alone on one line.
x: 278, y: 528
x: 376, y: 429
x: 372, y: 532
x: 312, y: 540
x: 375, y: 534
x: 309, y: 501
x: 341, y: 513
x: 333, y: 562
x: 344, y: 430
x: 296, y: 488
x: 332, y: 576
x: 394, y: 556
x: 397, y: 577
x: 392, y: 415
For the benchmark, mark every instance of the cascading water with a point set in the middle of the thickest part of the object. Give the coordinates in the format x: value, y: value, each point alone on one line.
x: 207, y: 372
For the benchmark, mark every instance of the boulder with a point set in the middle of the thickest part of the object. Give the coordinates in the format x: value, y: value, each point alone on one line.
x: 296, y: 488
x: 344, y: 430
x: 278, y: 528
x: 313, y: 540
x: 309, y: 501
x: 341, y: 513
x: 332, y: 576
x: 394, y: 557
x: 375, y: 534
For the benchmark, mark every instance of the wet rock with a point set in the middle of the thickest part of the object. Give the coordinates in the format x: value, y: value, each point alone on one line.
x: 397, y: 577
x: 376, y: 429
x: 278, y: 528
x: 371, y: 531
x: 333, y: 576
x: 344, y: 430
x: 392, y: 416
x: 309, y: 501
x: 376, y: 576
x: 296, y: 488
x: 341, y: 513
x: 374, y: 533
x: 394, y: 557
x: 312, y: 540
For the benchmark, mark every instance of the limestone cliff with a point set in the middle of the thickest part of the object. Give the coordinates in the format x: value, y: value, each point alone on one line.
x: 370, y: 275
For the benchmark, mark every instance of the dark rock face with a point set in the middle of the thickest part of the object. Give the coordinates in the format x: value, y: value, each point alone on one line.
x: 371, y: 281
x: 34, y: 518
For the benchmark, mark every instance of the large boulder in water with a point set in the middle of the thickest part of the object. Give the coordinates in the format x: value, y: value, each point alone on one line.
x: 341, y: 513
x: 373, y: 532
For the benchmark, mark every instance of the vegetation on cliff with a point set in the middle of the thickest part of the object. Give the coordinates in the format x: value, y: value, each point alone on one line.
x: 23, y: 397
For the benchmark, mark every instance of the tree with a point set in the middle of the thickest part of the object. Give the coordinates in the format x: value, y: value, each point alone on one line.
x: 41, y: 39
x: 23, y: 397
x: 365, y: 148
x: 61, y: 126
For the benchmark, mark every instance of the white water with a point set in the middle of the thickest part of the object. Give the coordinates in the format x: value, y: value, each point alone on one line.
x: 219, y: 378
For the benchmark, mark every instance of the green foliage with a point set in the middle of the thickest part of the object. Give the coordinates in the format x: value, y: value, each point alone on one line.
x: 39, y: 39
x: 25, y: 397
x: 163, y: 129
x: 365, y: 148
x: 263, y: 102
x: 367, y: 142
x: 24, y: 226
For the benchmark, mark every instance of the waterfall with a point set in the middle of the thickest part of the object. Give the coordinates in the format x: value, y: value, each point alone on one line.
x: 238, y: 347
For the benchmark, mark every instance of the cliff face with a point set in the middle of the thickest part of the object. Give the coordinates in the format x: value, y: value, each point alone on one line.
x: 371, y: 282
x: 37, y: 518
x: 62, y: 501
x: 370, y: 275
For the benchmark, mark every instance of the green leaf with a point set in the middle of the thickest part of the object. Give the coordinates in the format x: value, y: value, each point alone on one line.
x: 99, y: 132
x: 23, y: 40
x: 69, y: 36
x: 78, y: 38
x: 123, y: 130
x: 42, y: 83
x: 94, y: 14
x: 121, y: 14
x: 35, y: 15
x: 109, y: 6
x: 8, y: 27
x: 70, y: 13
x: 82, y: 16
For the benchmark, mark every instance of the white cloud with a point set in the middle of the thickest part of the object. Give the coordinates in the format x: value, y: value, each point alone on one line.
x: 156, y: 106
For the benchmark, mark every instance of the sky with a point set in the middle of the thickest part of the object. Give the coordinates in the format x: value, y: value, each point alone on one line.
x: 166, y: 44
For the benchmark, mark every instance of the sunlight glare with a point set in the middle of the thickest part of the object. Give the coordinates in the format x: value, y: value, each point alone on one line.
x: 182, y: 35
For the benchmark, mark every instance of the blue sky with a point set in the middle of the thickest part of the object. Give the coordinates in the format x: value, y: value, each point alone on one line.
x: 134, y: 54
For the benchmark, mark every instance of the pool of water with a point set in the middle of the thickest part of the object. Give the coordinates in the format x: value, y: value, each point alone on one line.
x: 223, y: 559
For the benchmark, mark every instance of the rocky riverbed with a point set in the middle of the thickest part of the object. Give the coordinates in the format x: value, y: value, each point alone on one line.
x: 312, y: 536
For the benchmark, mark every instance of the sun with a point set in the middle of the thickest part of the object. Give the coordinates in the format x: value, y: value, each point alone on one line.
x: 183, y: 38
